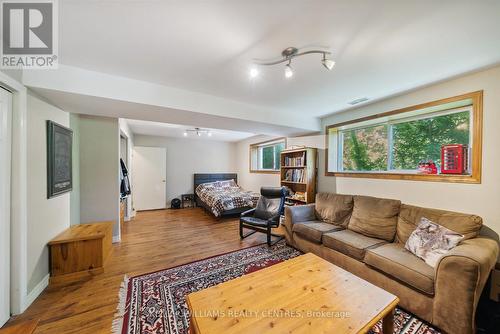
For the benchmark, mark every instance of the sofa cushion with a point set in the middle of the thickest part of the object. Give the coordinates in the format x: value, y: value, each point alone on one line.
x: 350, y: 243
x: 410, y: 216
x: 334, y: 208
x: 313, y: 230
x: 394, y: 260
x: 375, y: 217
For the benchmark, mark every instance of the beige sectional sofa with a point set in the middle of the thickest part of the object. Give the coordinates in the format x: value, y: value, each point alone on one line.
x: 366, y: 236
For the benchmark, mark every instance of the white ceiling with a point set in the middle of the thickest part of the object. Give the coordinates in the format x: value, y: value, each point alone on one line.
x: 177, y: 131
x: 381, y: 47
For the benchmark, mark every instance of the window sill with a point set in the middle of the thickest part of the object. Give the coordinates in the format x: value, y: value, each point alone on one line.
x: 410, y: 176
x: 265, y: 171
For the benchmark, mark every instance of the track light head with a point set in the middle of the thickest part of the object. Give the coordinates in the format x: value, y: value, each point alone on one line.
x: 288, y: 70
x: 254, y: 73
x: 327, y: 63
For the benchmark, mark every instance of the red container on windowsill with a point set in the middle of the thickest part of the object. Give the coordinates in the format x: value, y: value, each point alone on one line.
x: 427, y: 167
x: 454, y: 159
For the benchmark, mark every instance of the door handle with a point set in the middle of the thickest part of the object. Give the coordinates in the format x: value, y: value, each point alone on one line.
x: 163, y: 181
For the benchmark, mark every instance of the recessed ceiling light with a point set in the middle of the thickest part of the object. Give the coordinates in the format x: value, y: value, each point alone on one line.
x: 254, y: 73
x: 185, y: 134
x: 209, y: 134
x: 363, y: 99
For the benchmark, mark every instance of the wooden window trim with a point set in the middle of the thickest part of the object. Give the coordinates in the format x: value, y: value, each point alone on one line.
x: 477, y: 144
x: 257, y: 171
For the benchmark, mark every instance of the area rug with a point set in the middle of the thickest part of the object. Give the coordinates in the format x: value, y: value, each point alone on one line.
x: 155, y: 303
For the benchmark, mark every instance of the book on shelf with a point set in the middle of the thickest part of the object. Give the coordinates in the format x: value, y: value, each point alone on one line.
x: 295, y: 161
x: 295, y: 175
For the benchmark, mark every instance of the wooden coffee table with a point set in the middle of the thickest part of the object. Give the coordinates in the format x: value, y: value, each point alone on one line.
x: 303, y: 295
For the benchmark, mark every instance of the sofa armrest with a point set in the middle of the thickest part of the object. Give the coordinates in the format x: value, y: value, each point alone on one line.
x: 460, y: 278
x: 297, y: 214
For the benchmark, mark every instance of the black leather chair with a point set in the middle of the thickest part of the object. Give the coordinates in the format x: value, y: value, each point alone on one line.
x: 266, y: 214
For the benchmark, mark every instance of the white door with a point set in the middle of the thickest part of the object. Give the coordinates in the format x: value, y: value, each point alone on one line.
x: 150, y: 172
x: 5, y: 143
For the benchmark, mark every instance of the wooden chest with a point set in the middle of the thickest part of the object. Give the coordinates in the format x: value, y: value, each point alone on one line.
x: 80, y: 250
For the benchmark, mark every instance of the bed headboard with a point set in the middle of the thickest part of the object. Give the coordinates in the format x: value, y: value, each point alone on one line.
x: 213, y: 177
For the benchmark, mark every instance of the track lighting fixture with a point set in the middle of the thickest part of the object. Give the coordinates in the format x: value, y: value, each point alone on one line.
x: 198, y: 132
x: 287, y: 55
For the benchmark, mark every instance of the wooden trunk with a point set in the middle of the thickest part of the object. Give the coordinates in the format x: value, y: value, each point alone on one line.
x: 80, y: 250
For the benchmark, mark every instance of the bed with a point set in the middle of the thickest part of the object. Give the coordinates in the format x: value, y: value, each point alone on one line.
x: 220, y: 194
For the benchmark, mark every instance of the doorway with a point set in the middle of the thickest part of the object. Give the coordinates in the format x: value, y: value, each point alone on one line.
x: 5, y: 176
x: 150, y: 171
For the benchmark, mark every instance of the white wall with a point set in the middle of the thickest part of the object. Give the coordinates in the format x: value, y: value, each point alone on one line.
x: 74, y: 122
x: 99, y: 170
x: 481, y: 199
x: 46, y: 217
x: 188, y: 156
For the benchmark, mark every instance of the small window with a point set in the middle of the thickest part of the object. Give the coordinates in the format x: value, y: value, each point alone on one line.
x: 265, y: 157
x: 409, y: 143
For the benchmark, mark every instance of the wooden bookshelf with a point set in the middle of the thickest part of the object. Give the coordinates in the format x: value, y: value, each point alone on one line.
x: 298, y: 172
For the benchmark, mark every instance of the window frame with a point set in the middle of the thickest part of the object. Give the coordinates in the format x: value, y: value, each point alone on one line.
x: 476, y: 121
x: 259, y: 146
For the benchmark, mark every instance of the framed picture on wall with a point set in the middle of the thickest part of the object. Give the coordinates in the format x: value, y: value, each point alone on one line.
x: 59, y: 159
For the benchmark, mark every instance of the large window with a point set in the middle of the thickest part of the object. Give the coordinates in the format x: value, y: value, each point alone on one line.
x: 265, y: 157
x: 400, y: 144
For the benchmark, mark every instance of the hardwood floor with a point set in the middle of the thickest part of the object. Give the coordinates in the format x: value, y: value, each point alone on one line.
x: 153, y: 241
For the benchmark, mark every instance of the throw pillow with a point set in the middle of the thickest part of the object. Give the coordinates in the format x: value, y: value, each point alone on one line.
x: 432, y: 241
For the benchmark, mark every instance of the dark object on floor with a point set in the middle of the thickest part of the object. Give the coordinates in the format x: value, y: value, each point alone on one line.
x: 487, y: 313
x: 175, y: 203
x: 187, y: 201
x: 266, y: 215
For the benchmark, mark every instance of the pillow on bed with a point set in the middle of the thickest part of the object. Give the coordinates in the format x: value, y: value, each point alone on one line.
x: 226, y: 183
x: 204, y: 187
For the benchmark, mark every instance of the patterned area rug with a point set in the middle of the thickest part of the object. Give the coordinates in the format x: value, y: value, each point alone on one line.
x: 155, y: 303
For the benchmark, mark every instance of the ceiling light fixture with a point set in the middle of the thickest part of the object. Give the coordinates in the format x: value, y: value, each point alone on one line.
x: 357, y: 101
x: 327, y: 63
x: 254, y: 73
x: 287, y: 55
x: 288, y: 70
x: 198, y: 132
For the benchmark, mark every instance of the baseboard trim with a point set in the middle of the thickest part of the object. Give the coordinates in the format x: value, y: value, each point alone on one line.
x: 116, y: 239
x: 37, y: 290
